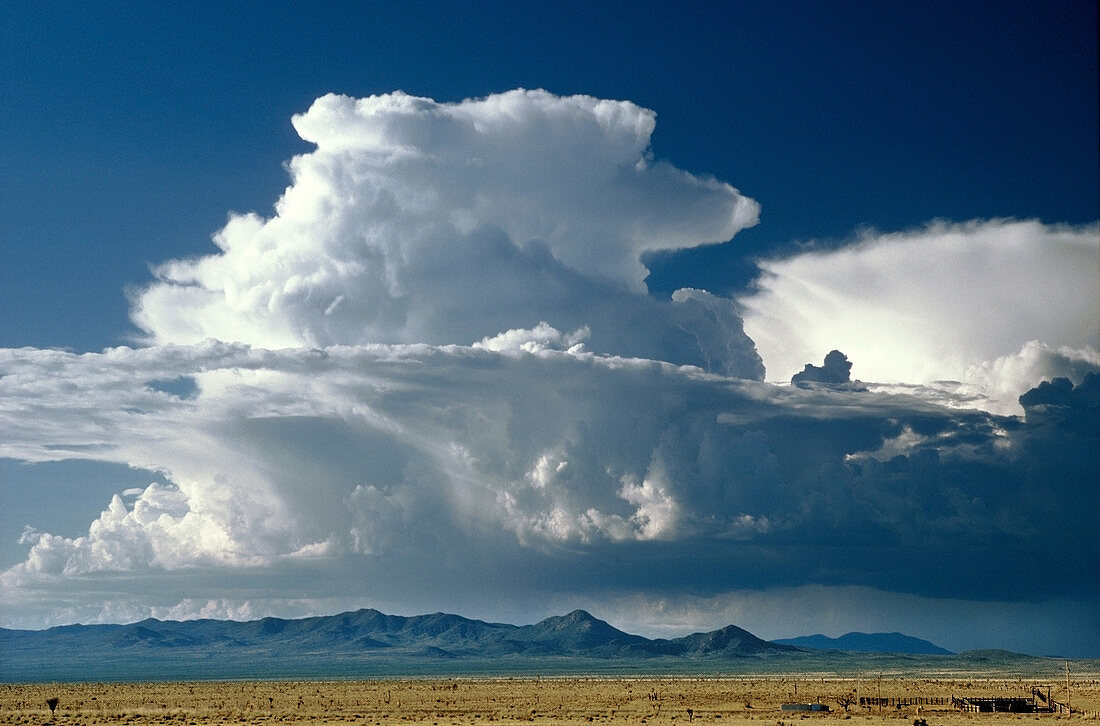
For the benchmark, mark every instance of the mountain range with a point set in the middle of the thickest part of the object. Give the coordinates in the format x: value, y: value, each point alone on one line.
x: 868, y: 643
x: 368, y: 642
x: 439, y: 635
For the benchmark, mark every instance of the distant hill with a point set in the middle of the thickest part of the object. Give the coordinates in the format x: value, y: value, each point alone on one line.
x: 868, y: 643
x: 346, y: 644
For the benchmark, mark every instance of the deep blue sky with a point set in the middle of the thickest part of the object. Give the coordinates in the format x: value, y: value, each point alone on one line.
x: 128, y: 130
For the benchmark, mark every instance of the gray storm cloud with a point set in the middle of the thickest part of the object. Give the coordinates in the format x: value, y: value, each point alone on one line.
x: 414, y: 466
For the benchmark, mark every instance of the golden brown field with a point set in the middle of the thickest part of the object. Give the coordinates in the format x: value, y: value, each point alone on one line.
x: 728, y: 701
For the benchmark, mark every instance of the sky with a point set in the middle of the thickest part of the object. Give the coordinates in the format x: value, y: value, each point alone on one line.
x: 504, y: 310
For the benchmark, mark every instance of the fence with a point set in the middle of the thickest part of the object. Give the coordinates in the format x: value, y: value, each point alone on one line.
x: 904, y: 701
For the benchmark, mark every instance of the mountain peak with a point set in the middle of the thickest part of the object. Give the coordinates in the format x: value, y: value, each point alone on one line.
x: 730, y: 639
x: 577, y: 619
x: 578, y: 629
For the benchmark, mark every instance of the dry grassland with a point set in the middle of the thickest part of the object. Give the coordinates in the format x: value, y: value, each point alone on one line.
x: 715, y: 702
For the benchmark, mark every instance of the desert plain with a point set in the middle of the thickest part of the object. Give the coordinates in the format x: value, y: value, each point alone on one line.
x: 739, y: 701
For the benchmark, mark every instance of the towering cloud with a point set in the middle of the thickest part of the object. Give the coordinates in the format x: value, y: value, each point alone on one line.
x: 836, y: 369
x: 417, y: 221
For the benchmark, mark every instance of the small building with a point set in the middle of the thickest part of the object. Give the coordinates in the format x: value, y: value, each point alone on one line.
x: 804, y: 707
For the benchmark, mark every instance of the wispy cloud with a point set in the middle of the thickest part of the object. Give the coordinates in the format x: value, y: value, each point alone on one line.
x: 942, y: 302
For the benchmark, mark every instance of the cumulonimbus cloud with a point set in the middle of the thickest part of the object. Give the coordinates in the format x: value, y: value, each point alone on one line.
x: 434, y: 373
x: 418, y: 221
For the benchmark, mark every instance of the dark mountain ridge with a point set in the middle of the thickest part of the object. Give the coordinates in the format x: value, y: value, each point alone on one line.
x: 367, y: 633
x: 868, y: 643
x: 369, y: 644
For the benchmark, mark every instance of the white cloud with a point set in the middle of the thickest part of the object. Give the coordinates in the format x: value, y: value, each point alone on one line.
x: 996, y: 385
x: 160, y: 530
x: 943, y: 302
x: 1001, y: 381
x: 656, y: 511
x: 307, y: 453
x: 543, y: 336
x: 417, y: 221
x: 552, y: 506
x: 219, y: 608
